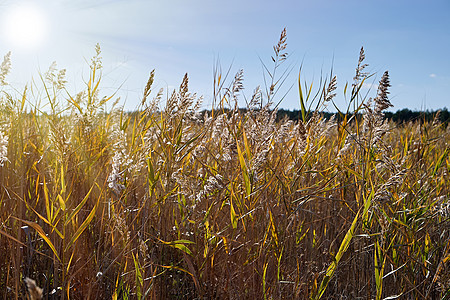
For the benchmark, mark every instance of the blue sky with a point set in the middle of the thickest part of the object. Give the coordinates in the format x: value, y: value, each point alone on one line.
x: 410, y: 39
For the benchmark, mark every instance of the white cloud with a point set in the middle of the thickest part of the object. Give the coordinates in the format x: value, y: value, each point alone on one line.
x: 432, y: 75
x: 369, y: 86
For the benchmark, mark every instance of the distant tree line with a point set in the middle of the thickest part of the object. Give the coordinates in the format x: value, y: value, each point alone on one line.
x: 400, y: 116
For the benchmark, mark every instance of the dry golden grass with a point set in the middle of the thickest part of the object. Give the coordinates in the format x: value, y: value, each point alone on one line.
x: 169, y: 203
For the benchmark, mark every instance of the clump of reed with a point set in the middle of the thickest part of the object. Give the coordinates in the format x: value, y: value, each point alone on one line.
x: 168, y: 202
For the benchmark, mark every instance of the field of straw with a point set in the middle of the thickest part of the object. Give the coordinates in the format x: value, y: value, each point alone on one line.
x: 169, y: 202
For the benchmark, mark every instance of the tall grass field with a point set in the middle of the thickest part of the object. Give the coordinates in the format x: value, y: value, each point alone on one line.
x: 174, y: 202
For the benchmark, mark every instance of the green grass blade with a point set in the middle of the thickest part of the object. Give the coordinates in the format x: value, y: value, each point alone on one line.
x: 83, y: 226
x: 78, y: 208
x: 332, y: 268
x: 42, y: 234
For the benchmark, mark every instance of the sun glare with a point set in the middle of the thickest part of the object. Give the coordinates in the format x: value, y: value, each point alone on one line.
x: 24, y: 26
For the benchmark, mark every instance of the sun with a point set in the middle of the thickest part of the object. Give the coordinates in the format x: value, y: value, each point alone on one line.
x: 24, y: 26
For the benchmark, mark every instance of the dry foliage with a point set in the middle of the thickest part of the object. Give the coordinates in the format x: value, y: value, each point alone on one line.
x: 171, y: 203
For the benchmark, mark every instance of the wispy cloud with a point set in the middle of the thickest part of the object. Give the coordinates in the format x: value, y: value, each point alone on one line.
x: 369, y: 86
x: 432, y: 75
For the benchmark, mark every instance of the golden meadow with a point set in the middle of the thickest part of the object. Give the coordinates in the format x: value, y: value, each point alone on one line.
x: 170, y: 202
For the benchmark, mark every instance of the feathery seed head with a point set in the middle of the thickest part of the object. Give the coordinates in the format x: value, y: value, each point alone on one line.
x: 55, y: 77
x: 381, y: 101
x: 255, y: 102
x: 329, y: 95
x: 148, y: 86
x: 436, y: 120
x: 184, y: 86
x: 238, y: 84
x: 3, y: 148
x: 281, y: 46
x: 5, y: 68
x: 96, y: 61
x: 360, y: 68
